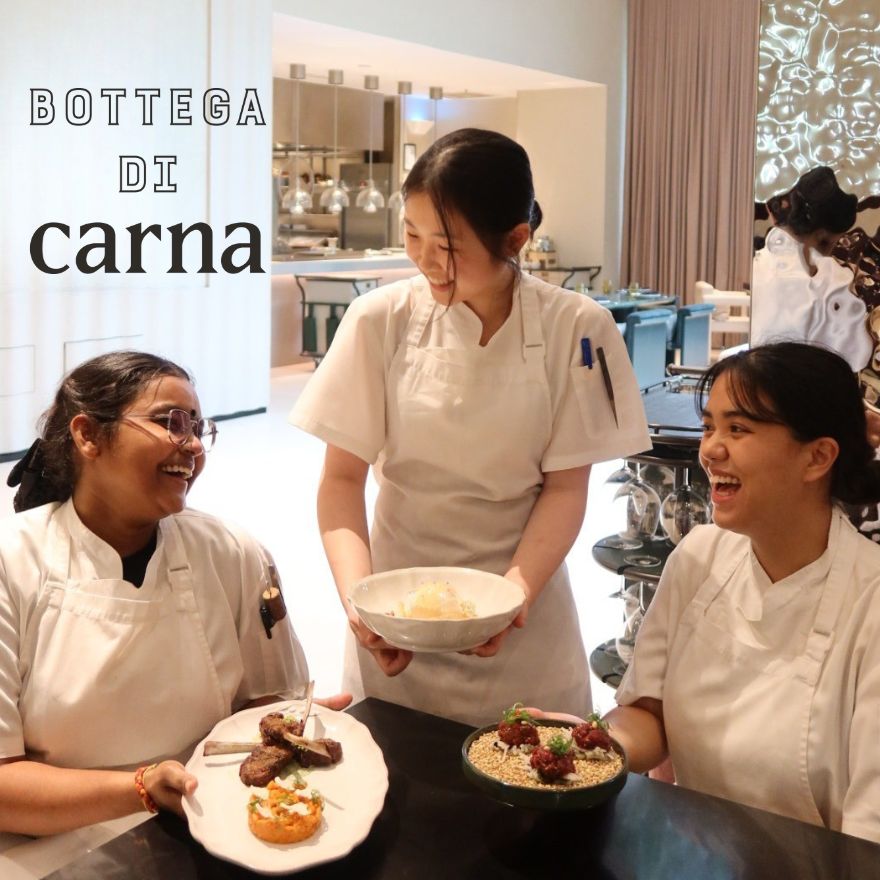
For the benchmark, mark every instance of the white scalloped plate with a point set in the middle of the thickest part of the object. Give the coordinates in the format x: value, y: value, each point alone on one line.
x: 354, y: 793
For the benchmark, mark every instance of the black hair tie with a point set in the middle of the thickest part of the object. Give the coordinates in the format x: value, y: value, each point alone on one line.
x: 27, y: 474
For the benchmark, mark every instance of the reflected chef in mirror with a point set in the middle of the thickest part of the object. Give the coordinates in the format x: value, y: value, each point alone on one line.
x: 757, y: 667
x: 129, y: 624
x: 799, y: 291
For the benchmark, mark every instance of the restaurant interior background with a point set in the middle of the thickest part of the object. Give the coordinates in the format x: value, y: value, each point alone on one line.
x: 565, y: 96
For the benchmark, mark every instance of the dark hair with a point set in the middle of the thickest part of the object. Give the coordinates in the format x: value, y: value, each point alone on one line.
x: 815, y: 202
x: 486, y: 178
x: 100, y: 388
x: 813, y: 392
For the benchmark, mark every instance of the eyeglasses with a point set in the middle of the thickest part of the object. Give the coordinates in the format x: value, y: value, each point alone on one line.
x: 181, y: 426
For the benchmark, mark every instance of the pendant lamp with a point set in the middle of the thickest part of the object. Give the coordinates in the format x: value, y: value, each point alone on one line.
x: 297, y: 200
x: 435, y: 93
x: 335, y: 198
x: 395, y: 200
x: 369, y: 198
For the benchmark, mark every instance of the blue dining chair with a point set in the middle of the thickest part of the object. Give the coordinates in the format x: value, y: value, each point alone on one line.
x: 645, y: 336
x: 693, y: 334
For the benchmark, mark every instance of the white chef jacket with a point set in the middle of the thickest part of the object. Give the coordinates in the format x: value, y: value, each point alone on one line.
x: 344, y: 402
x: 843, y: 730
x: 790, y: 304
x: 461, y: 435
x: 228, y: 573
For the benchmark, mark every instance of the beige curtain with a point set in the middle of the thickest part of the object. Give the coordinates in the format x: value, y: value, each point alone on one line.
x: 690, y: 146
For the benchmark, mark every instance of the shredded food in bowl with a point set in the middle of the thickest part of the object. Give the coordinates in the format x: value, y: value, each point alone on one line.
x: 435, y: 601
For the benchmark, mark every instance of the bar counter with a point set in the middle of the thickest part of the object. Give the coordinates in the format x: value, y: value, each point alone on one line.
x: 435, y: 826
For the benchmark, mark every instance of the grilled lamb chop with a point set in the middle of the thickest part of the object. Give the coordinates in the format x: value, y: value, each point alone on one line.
x: 308, y: 758
x: 274, y: 725
x: 265, y: 762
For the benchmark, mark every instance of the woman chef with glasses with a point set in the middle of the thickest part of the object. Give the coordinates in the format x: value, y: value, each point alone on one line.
x: 129, y: 625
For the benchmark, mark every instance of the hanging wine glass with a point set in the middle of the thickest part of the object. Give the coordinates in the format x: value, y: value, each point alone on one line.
x: 634, y: 614
x: 622, y: 474
x: 683, y: 509
x: 641, y: 514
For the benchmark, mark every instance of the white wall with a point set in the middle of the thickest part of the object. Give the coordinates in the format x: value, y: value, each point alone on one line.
x: 217, y: 325
x: 585, y: 39
x: 569, y: 171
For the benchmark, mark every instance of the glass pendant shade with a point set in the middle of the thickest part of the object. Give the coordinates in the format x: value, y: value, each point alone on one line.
x: 370, y: 199
x: 395, y: 200
x: 297, y: 200
x: 334, y: 199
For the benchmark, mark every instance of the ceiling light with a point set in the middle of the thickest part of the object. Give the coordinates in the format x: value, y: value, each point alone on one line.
x: 335, y: 198
x: 297, y: 200
x: 369, y: 198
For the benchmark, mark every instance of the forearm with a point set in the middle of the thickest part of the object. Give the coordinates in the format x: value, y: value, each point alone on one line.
x: 342, y: 519
x: 38, y: 799
x: 551, y: 530
x: 641, y: 733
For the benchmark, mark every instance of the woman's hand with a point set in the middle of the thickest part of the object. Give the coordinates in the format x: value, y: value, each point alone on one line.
x: 392, y: 661
x: 337, y: 702
x: 493, y: 646
x: 555, y: 716
x: 167, y: 783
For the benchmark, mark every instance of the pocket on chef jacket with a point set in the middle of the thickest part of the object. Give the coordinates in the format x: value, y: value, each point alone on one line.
x: 595, y: 407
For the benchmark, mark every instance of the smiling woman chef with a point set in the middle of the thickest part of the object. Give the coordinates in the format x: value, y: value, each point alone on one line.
x: 128, y: 625
x: 482, y: 396
x: 758, y: 663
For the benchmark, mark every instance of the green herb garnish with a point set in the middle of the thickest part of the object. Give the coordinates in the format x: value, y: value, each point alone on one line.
x: 516, y: 713
x: 559, y: 745
x: 593, y: 718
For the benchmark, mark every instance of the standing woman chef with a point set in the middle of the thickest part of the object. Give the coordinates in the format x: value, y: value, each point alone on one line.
x: 477, y: 394
x: 129, y: 625
x: 757, y: 667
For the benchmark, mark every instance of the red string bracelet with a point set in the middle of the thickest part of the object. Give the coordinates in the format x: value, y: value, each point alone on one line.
x: 143, y: 794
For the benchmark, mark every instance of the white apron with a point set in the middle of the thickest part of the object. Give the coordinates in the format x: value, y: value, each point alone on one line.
x: 738, y: 718
x: 459, y: 476
x: 113, y: 675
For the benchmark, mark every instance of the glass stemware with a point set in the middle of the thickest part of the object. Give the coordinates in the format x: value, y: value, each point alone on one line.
x: 642, y: 513
x: 683, y: 509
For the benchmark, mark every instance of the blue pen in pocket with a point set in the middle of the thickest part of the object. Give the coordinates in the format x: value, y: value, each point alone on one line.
x: 587, y: 353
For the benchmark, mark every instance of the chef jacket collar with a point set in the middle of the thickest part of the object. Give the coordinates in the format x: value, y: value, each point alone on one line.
x: 467, y: 326
x: 98, y: 560
x: 760, y: 596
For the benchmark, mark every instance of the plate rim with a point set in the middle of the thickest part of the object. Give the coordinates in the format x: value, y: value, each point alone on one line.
x: 378, y: 798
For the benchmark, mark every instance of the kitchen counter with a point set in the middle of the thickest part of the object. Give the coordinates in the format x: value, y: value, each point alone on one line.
x: 341, y: 261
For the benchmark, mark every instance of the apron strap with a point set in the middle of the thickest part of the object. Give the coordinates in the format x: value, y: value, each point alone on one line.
x: 179, y: 570
x: 715, y: 583
x: 843, y: 537
x: 533, y: 336
x: 421, y: 314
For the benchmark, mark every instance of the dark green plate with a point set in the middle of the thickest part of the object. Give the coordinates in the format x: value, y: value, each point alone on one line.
x: 542, y: 798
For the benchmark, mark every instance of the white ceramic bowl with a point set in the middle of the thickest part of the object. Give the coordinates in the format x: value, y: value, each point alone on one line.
x: 496, y: 601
